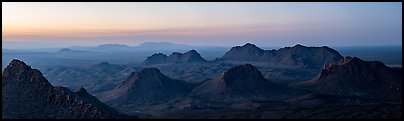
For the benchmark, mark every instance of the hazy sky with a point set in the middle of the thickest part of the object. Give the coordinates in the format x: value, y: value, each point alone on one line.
x: 36, y: 25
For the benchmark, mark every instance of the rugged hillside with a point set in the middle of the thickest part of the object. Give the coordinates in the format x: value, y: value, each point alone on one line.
x: 297, y: 55
x: 176, y: 57
x: 27, y: 94
x: 147, y: 86
x: 157, y: 58
x: 355, y: 77
x: 239, y: 83
x: 247, y: 52
x: 310, y: 56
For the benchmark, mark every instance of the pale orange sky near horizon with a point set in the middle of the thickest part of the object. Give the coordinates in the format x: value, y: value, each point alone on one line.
x: 50, y: 24
x: 38, y: 18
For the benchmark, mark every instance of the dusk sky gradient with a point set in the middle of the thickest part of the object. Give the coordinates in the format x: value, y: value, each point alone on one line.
x: 44, y: 25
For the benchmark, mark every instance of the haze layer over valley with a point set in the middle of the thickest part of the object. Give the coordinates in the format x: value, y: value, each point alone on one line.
x: 245, y: 80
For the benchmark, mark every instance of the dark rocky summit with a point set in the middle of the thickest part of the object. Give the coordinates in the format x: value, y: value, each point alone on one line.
x: 239, y: 83
x: 297, y: 55
x: 189, y: 57
x: 26, y: 94
x: 157, y: 58
x: 247, y: 52
x: 355, y: 77
x: 147, y: 86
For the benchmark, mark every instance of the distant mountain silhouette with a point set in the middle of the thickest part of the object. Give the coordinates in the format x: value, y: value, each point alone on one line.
x: 27, y: 94
x: 355, y: 77
x: 70, y: 51
x: 147, y: 46
x: 105, y: 48
x: 297, y: 55
x: 114, y: 47
x: 176, y: 57
x: 147, y: 86
x: 240, y: 82
x: 163, y: 46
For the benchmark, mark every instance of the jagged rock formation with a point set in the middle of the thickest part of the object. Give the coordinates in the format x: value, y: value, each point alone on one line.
x: 355, y: 77
x: 238, y: 83
x: 157, y: 58
x: 297, y: 55
x: 176, y: 57
x: 26, y: 94
x: 148, y: 86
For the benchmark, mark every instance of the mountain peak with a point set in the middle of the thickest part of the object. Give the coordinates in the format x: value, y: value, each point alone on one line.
x: 243, y: 72
x: 176, y: 53
x: 240, y: 82
x: 18, y: 63
x: 156, y: 58
x: 194, y: 54
x: 249, y: 45
x: 82, y: 91
x: 148, y: 85
x: 298, y: 55
x: 192, y: 51
x: 158, y: 54
x: 113, y: 45
x: 352, y: 76
x: 176, y: 57
x: 21, y: 83
x: 299, y: 45
x: 18, y: 69
x: 246, y: 52
x: 155, y: 43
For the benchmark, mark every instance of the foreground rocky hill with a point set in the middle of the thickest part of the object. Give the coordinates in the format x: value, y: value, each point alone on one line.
x: 26, y: 94
x: 354, y: 77
x: 239, y: 83
x: 147, y: 86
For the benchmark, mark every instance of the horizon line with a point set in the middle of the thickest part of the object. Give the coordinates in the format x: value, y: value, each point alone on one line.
x: 258, y: 45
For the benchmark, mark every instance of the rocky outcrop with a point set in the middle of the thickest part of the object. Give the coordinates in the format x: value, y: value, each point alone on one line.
x: 189, y: 57
x: 26, y: 94
x: 147, y: 86
x: 239, y: 83
x: 355, y: 77
x: 247, y: 52
x: 297, y: 55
